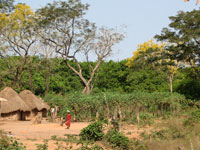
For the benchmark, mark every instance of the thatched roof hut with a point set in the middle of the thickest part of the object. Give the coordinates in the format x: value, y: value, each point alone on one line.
x: 33, y: 101
x: 14, y: 102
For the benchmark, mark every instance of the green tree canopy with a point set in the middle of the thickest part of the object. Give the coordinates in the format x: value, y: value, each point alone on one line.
x: 183, y: 37
x: 6, y: 6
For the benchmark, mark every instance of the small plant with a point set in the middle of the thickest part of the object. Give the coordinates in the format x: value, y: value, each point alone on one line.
x: 30, y: 139
x: 42, y: 146
x: 92, y: 132
x: 117, y: 140
x: 193, y: 118
x: 89, y: 146
x: 54, y: 137
x: 138, y: 145
x: 160, y: 135
x: 145, y: 119
x: 10, y: 143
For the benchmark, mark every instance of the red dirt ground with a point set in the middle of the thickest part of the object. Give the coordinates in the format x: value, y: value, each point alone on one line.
x: 30, y: 134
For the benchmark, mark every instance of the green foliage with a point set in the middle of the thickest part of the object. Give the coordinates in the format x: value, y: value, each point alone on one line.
x: 138, y: 145
x: 174, y: 130
x: 196, y: 115
x: 111, y: 76
x: 89, y: 146
x: 160, y: 135
x: 117, y: 140
x: 93, y: 132
x: 193, y: 118
x: 43, y: 146
x: 6, y: 6
x: 145, y: 119
x: 157, y: 104
x: 10, y: 143
x: 189, y: 84
x: 146, y: 79
x: 183, y: 36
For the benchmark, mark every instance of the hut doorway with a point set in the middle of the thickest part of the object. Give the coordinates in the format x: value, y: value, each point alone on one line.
x: 21, y: 116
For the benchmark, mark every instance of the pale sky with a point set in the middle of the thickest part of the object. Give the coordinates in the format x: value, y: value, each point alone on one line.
x: 143, y: 18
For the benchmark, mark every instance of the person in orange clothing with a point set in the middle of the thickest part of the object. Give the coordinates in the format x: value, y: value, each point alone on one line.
x: 68, y: 119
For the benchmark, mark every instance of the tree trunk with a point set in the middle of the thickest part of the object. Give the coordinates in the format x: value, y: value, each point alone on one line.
x: 78, y: 72
x: 48, y: 69
x: 31, y: 79
x: 56, y: 112
x: 19, y: 72
x: 138, y: 117
x: 107, y: 107
x: 120, y: 113
x: 97, y: 116
x: 171, y: 83
x: 87, y: 89
x: 75, y: 113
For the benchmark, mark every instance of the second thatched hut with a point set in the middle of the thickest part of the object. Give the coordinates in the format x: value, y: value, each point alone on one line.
x: 36, y: 104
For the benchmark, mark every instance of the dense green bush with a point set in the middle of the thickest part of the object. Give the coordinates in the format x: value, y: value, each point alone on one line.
x: 117, y: 140
x: 93, y: 132
x: 111, y: 76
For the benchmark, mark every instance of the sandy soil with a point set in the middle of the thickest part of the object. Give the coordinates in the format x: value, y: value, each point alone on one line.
x: 31, y: 134
x: 134, y: 131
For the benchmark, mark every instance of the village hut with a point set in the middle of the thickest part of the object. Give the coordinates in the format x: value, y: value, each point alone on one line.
x: 14, y: 108
x: 36, y: 104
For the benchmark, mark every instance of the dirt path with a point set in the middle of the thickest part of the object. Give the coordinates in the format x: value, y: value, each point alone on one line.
x: 31, y: 134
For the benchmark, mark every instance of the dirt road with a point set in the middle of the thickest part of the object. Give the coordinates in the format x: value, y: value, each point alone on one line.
x: 31, y: 134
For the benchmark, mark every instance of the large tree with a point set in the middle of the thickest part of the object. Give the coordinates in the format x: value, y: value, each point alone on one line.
x: 74, y: 38
x: 6, y: 6
x: 17, y: 37
x: 154, y: 55
x: 183, y: 37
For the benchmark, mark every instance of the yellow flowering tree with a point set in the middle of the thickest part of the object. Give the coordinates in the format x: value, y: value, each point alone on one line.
x: 144, y: 52
x: 17, y: 37
x: 155, y: 55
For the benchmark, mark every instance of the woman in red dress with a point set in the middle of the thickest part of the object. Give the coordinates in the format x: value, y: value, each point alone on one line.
x: 68, y: 119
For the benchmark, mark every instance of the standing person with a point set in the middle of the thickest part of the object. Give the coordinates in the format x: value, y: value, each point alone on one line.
x: 68, y: 119
x: 52, y: 110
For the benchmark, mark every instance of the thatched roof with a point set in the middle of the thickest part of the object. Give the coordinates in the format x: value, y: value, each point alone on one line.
x: 13, y: 103
x: 33, y: 101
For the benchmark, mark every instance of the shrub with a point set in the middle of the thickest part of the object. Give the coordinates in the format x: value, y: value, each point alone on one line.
x: 160, y: 135
x: 193, y: 118
x: 196, y: 115
x: 117, y: 140
x: 43, y: 146
x: 89, y: 146
x: 9, y: 143
x: 92, y: 132
x: 145, y: 119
